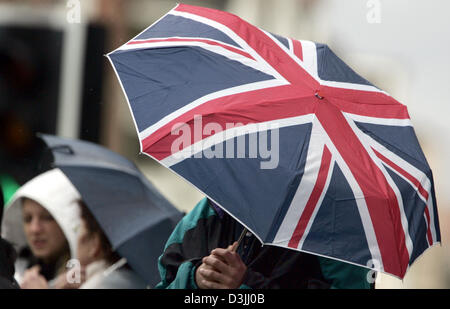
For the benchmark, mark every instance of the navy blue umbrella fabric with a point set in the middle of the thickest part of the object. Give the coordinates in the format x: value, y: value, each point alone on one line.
x: 135, y: 217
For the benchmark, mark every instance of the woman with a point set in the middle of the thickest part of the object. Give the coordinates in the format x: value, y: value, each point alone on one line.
x: 46, y: 239
x: 105, y: 269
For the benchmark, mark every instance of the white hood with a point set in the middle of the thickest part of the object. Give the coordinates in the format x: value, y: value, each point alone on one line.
x: 53, y: 191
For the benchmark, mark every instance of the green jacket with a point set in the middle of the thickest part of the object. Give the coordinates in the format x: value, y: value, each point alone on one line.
x: 268, y: 267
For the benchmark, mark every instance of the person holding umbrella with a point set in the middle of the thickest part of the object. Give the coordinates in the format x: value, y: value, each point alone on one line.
x: 202, y: 253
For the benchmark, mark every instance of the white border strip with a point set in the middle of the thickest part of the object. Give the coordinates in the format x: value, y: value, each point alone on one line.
x: 144, y: 41
x: 404, y: 220
x: 307, y: 66
x: 359, y: 199
x: 304, y: 189
x: 319, y: 202
x: 309, y: 52
x: 144, y: 30
x: 306, y: 186
x: 212, y: 48
x: 380, y: 121
x: 241, y: 42
x: 291, y: 45
x: 414, y: 172
x: 352, y: 86
x: 128, y: 101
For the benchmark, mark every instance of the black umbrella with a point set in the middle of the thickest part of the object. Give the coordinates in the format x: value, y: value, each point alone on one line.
x: 135, y: 217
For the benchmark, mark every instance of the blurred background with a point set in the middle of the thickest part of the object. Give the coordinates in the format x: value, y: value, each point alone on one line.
x: 55, y: 79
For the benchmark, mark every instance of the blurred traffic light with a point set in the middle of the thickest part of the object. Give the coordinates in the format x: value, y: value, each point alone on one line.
x: 30, y: 68
x: 31, y: 62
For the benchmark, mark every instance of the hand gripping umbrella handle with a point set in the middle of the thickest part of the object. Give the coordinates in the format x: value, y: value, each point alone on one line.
x: 241, y: 237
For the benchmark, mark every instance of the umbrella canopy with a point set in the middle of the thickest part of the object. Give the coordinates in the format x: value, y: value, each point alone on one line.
x: 283, y: 135
x: 135, y: 217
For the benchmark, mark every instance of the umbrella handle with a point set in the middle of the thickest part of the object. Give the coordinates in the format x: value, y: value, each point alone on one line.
x: 66, y: 149
x: 241, y: 237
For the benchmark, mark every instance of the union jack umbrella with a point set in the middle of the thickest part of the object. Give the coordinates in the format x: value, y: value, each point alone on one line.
x: 349, y: 182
